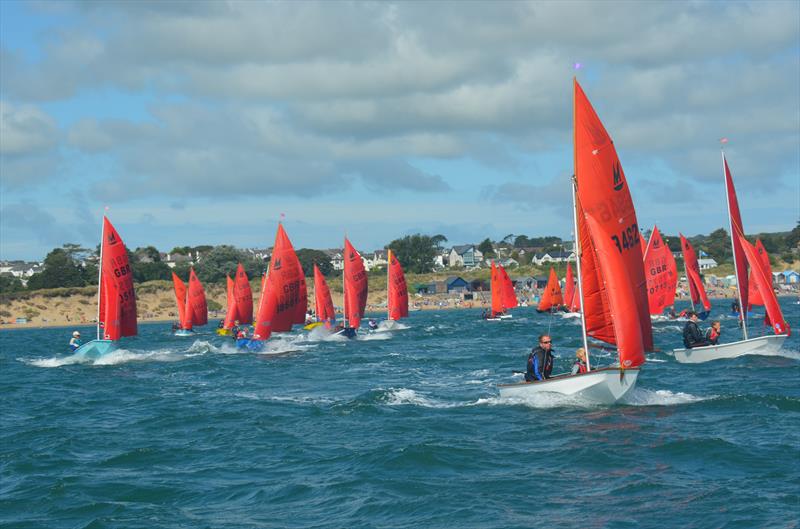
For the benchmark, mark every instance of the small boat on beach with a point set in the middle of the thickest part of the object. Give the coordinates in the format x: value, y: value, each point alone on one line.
x: 116, y: 299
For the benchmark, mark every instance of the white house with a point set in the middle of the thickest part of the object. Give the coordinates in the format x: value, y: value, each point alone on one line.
x: 374, y: 260
x: 552, y: 257
x: 707, y: 263
x: 466, y: 255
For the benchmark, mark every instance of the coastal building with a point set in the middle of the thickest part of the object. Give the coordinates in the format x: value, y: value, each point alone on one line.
x: 20, y: 269
x: 553, y: 257
x: 508, y: 262
x: 336, y: 255
x: 788, y: 277
x: 174, y: 259
x: 706, y: 263
x: 452, y: 284
x: 442, y: 259
x: 466, y: 255
x: 375, y: 259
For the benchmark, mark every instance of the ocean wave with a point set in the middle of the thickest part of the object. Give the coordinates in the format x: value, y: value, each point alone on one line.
x: 372, y: 337
x: 405, y: 396
x: 661, y: 397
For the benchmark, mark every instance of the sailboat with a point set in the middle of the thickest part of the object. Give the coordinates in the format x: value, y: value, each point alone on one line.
x: 323, y: 304
x: 611, y: 279
x: 661, y: 272
x: 116, y: 299
x: 396, y: 292
x: 354, y: 285
x: 240, y: 302
x: 191, y: 301
x: 697, y: 292
x: 284, y: 297
x: 744, y: 254
x: 503, y: 295
x: 552, y: 299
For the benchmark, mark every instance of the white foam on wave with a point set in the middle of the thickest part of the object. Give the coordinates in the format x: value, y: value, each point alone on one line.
x: 404, y: 396
x: 539, y: 401
x: 321, y: 334
x: 371, y: 337
x: 123, y: 356
x: 391, y: 325
x: 661, y: 397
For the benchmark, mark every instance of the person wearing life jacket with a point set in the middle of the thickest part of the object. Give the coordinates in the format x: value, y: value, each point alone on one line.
x: 75, y: 341
x: 580, y: 362
x: 540, y: 361
x: 692, y: 337
x: 713, y: 332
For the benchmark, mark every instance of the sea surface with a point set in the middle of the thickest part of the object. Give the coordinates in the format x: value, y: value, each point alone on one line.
x: 395, y: 429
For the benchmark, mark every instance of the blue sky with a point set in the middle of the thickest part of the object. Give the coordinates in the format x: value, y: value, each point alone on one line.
x: 200, y: 123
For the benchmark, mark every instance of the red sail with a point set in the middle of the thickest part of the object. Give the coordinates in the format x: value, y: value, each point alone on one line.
x: 497, y: 297
x: 243, y: 296
x: 284, y: 292
x: 569, y: 288
x: 596, y: 311
x: 763, y: 280
x: 232, y: 313
x: 197, y: 300
x: 552, y: 293
x: 661, y: 272
x: 612, y: 225
x: 754, y: 295
x: 696, y: 289
x: 507, y: 294
x: 355, y: 280
x: 397, y: 302
x: 322, y: 297
x: 184, y: 315
x: 736, y: 227
x: 117, y: 297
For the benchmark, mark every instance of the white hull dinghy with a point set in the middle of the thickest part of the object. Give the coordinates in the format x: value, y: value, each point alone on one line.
x: 604, y: 386
x: 760, y: 345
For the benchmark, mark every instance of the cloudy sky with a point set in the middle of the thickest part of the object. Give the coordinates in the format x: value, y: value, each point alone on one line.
x: 202, y: 122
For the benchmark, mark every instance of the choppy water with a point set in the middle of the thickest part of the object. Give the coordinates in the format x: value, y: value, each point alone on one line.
x: 400, y: 429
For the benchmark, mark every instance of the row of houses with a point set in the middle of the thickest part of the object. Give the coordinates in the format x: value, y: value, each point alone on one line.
x: 787, y: 277
x: 20, y: 269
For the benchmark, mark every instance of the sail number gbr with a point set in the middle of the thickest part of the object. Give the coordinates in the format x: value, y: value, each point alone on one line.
x: 628, y: 238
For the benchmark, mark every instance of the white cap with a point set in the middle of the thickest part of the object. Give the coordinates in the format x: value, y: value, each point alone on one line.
x: 76, y: 333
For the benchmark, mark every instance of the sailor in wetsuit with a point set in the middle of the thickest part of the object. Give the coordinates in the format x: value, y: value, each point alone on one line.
x: 692, y: 337
x: 540, y: 361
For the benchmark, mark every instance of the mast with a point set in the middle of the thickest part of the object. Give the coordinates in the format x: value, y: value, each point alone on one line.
x: 578, y: 266
x: 742, y: 309
x: 100, y: 271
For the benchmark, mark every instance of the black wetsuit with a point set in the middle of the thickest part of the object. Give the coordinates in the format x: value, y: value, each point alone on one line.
x: 692, y: 337
x: 540, y: 364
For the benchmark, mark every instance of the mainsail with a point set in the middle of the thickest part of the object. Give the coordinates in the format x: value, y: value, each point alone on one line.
x: 661, y: 272
x: 197, y: 300
x: 322, y: 298
x: 117, y: 300
x: 184, y: 312
x: 763, y: 282
x: 355, y: 286
x: 243, y: 295
x: 397, y: 296
x: 552, y: 297
x: 610, y: 223
x: 697, y: 291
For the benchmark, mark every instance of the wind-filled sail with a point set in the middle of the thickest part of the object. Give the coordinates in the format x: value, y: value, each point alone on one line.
x: 754, y: 295
x: 596, y: 311
x: 736, y: 227
x: 397, y: 301
x: 696, y: 289
x: 569, y: 288
x: 355, y: 285
x: 322, y: 297
x: 552, y: 297
x: 507, y: 294
x: 197, y: 300
x: 661, y: 272
x: 184, y: 315
x: 763, y: 280
x: 243, y: 295
x: 117, y: 303
x: 284, y: 297
x: 231, y: 315
x: 497, y: 299
x: 612, y: 225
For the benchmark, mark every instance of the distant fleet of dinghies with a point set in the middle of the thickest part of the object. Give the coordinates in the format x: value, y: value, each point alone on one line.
x: 620, y: 284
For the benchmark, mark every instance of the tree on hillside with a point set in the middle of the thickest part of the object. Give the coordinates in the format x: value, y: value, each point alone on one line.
x: 415, y: 253
x: 223, y: 260
x: 438, y: 240
x: 10, y: 284
x: 486, y: 248
x: 60, y: 270
x: 717, y: 244
x: 143, y: 272
x: 508, y: 238
x: 309, y: 257
x: 521, y: 241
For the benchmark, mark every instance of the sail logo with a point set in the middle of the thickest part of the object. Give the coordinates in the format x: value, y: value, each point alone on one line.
x: 112, y: 239
x: 618, y: 181
x: 656, y: 244
x: 352, y: 256
x: 277, y: 264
